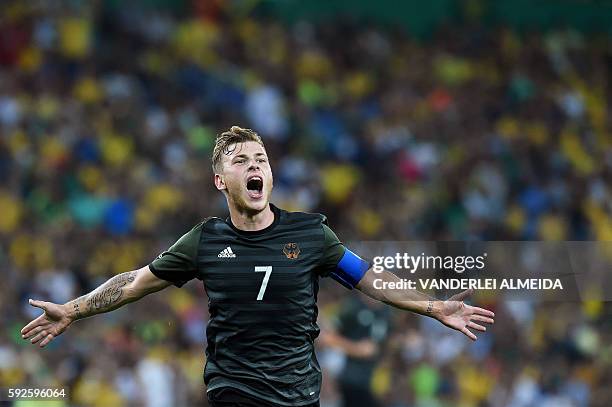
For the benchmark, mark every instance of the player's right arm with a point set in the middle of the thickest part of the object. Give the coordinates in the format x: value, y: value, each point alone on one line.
x: 177, y: 265
x: 114, y: 293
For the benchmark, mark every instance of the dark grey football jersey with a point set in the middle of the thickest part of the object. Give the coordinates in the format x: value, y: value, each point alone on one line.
x: 262, y: 288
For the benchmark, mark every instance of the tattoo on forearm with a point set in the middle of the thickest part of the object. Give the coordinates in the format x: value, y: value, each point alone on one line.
x: 110, y: 292
x: 429, y: 307
x: 76, y: 305
x: 77, y: 310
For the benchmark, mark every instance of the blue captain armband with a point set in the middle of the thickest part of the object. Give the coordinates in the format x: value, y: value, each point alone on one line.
x: 350, y: 269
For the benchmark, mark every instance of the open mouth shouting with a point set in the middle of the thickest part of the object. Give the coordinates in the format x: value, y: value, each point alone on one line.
x: 254, y: 186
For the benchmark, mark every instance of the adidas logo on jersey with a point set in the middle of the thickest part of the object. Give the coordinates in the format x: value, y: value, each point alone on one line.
x: 227, y: 253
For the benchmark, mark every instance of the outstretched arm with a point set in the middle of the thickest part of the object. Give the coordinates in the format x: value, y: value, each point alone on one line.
x: 114, y: 293
x: 453, y: 312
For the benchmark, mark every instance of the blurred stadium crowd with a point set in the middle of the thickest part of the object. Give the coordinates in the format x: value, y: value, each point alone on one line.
x: 107, y: 120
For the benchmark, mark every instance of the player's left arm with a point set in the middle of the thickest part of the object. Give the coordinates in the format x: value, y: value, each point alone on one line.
x: 352, y: 271
x: 453, y: 312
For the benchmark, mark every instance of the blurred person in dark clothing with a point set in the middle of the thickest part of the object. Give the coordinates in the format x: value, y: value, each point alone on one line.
x: 361, y: 329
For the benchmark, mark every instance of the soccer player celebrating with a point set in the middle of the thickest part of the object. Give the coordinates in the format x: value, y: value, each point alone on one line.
x: 261, y: 269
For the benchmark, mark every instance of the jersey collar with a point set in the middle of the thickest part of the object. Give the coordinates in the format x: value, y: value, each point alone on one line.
x: 277, y: 215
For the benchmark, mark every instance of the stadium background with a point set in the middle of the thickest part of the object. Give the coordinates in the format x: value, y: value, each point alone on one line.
x: 447, y: 120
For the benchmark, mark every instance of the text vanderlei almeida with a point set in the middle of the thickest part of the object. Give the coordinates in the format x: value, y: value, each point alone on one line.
x: 456, y: 264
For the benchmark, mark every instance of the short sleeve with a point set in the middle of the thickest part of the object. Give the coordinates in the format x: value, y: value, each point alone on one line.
x: 178, y: 264
x: 333, y: 250
x: 340, y: 263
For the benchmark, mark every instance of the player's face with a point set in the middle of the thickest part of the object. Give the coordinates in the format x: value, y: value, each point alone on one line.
x: 246, y: 176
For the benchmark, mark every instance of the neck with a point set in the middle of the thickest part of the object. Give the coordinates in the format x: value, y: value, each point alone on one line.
x: 249, y: 221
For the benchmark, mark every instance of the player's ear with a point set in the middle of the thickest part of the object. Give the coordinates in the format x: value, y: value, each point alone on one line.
x: 219, y: 182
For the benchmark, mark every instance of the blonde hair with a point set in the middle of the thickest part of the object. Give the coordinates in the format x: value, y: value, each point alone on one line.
x: 225, y: 140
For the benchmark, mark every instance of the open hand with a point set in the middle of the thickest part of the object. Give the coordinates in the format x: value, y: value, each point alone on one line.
x: 50, y: 324
x: 456, y: 314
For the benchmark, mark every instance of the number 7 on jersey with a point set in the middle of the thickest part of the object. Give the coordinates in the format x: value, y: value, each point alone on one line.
x: 264, y: 283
